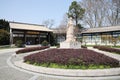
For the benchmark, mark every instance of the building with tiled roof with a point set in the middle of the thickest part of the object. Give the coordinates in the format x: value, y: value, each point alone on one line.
x: 102, y: 29
x: 28, y: 33
x: 101, y: 36
x: 27, y: 26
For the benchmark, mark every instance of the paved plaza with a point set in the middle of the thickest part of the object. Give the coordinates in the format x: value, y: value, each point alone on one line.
x: 10, y: 72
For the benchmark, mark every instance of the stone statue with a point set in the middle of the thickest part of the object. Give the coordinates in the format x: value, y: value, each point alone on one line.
x: 70, y: 41
x: 70, y: 31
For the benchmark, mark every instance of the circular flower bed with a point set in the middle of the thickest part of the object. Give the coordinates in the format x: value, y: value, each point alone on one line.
x: 71, y: 59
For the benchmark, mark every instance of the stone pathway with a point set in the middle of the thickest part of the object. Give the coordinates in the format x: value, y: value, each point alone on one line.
x: 6, y: 71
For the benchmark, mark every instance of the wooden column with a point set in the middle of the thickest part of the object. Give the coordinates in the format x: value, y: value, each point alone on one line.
x: 24, y: 37
x: 39, y: 37
x: 11, y: 37
x: 49, y: 37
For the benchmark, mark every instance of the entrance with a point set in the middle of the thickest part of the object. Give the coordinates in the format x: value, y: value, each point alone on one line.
x: 32, y: 39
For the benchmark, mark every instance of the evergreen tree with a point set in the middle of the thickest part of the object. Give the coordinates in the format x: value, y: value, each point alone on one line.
x: 76, y: 12
x: 4, y: 25
x: 4, y: 32
x: 4, y: 37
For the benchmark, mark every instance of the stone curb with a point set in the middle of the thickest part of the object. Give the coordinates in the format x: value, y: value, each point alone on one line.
x: 68, y: 72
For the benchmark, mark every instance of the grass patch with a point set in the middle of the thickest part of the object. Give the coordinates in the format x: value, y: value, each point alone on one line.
x: 59, y: 66
x: 115, y: 46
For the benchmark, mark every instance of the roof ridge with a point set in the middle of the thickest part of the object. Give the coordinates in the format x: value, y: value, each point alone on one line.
x: 104, y: 27
x: 26, y: 23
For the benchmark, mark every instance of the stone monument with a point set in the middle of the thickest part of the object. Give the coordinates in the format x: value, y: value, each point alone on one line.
x: 70, y: 41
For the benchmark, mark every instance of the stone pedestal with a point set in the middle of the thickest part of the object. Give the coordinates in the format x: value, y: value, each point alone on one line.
x: 75, y: 45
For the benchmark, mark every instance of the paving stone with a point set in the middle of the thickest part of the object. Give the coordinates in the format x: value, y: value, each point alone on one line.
x: 9, y: 73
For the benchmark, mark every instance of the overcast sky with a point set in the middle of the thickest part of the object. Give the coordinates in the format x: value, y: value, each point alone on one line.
x: 34, y: 11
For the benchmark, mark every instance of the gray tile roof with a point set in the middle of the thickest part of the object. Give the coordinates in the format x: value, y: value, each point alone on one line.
x: 26, y: 26
x: 102, y: 29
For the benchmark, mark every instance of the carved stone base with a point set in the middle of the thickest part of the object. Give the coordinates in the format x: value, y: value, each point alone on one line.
x: 75, y: 45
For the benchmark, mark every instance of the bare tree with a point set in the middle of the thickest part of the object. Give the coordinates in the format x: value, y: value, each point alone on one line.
x: 99, y: 13
x: 48, y: 23
x: 116, y: 3
x: 113, y: 12
x: 63, y: 24
x: 95, y: 12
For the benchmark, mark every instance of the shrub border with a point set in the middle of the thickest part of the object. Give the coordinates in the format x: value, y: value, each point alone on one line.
x: 108, y: 49
x: 30, y: 49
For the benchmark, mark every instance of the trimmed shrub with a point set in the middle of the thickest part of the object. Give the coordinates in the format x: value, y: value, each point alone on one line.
x: 19, y: 43
x: 45, y: 43
x: 31, y: 49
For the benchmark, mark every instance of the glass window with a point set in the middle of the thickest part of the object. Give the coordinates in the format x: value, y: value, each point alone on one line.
x: 15, y: 35
x: 18, y: 31
x: 21, y: 35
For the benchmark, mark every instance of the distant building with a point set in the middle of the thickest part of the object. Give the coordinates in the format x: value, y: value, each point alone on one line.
x: 30, y: 34
x: 94, y: 36
x: 60, y: 35
x: 101, y: 36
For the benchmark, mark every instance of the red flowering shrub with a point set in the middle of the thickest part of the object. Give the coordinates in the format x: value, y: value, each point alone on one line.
x: 31, y: 49
x: 104, y: 48
x: 71, y: 57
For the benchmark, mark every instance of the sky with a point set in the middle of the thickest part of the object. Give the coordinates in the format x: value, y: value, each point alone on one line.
x: 34, y: 11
